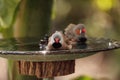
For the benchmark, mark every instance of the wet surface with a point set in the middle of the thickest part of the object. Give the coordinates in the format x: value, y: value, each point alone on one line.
x: 29, y: 49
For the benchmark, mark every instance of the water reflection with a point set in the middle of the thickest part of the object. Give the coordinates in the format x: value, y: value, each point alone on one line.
x: 29, y: 49
x: 80, y: 46
x: 20, y: 44
x: 33, y: 44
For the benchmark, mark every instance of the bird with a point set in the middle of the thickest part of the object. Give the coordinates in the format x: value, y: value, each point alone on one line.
x: 69, y: 31
x: 76, y: 33
x: 57, y: 41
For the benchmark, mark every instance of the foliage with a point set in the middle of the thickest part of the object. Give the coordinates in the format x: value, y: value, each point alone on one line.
x: 7, y: 12
x: 84, y: 78
x: 105, y: 5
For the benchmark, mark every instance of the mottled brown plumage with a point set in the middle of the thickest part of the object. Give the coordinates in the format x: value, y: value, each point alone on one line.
x: 75, y: 33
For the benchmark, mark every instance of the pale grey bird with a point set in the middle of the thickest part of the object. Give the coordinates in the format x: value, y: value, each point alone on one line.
x: 57, y: 41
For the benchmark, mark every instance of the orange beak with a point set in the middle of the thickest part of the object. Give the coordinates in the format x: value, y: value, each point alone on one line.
x: 83, y: 30
x: 57, y: 40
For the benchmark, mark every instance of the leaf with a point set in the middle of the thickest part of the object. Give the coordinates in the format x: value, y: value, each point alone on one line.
x: 7, y: 10
x: 83, y: 78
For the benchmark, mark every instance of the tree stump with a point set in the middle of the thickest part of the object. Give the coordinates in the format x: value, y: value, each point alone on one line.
x: 46, y: 69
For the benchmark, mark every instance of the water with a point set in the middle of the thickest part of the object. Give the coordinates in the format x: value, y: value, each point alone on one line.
x: 21, y: 44
x: 29, y: 49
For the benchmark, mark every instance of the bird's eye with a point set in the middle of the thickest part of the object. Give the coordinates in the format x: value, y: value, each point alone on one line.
x: 77, y: 31
x: 83, y: 30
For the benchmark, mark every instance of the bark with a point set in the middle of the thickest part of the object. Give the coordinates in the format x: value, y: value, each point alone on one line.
x: 46, y: 69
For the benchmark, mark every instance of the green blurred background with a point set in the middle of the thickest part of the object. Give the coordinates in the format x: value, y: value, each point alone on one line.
x: 101, y: 17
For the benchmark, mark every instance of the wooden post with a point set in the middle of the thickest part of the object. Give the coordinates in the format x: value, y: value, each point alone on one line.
x: 46, y: 69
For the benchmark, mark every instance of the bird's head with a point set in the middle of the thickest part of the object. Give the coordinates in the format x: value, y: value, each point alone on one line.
x: 57, y: 39
x: 79, y: 32
x: 79, y: 29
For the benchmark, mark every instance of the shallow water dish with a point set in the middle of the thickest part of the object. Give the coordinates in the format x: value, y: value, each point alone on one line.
x: 28, y: 49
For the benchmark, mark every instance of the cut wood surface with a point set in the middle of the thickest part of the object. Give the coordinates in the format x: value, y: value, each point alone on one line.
x: 46, y: 69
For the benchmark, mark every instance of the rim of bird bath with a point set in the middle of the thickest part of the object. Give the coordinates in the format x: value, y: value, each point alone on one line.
x: 92, y: 46
x: 11, y: 49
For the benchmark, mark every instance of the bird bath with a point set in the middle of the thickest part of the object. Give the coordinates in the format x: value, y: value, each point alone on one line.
x: 46, y: 64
